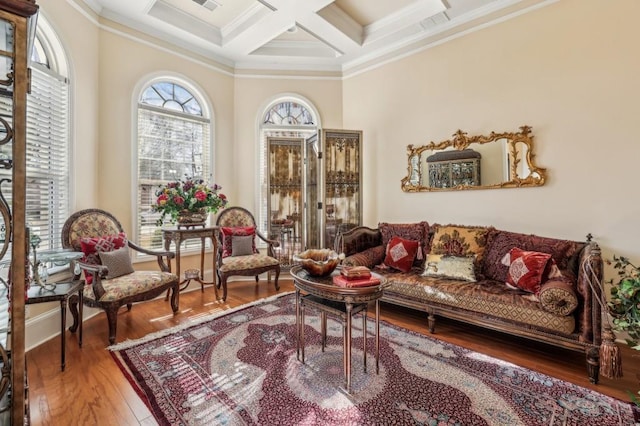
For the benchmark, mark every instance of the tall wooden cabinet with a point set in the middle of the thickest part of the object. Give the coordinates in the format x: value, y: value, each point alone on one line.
x: 17, y: 28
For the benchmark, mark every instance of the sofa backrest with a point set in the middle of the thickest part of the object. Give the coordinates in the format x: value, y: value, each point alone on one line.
x: 499, y: 243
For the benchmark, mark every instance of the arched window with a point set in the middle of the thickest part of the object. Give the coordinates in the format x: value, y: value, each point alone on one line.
x: 174, y: 141
x: 289, y: 117
x: 48, y: 190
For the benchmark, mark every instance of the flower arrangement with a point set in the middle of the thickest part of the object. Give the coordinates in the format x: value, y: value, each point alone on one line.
x: 189, y: 195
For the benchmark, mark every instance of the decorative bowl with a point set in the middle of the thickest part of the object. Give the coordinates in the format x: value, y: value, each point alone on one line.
x: 318, y: 262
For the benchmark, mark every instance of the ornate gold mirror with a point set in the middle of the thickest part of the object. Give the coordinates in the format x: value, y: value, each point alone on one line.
x: 499, y: 160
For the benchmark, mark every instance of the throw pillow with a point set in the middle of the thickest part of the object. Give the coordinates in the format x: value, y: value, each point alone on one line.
x: 92, y: 246
x: 500, y: 242
x: 453, y: 267
x: 460, y: 241
x: 526, y: 269
x: 227, y: 233
x: 558, y: 297
x: 370, y: 257
x: 401, y: 254
x: 118, y: 262
x: 242, y: 245
x: 418, y: 231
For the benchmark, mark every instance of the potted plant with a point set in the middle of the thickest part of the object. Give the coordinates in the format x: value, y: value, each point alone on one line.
x: 188, y: 201
x: 624, y: 305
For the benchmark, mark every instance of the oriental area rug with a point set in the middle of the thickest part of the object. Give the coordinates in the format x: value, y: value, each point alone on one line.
x: 240, y: 368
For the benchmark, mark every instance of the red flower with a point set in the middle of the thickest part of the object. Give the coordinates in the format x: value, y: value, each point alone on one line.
x: 162, y: 199
x: 200, y: 195
x: 178, y: 200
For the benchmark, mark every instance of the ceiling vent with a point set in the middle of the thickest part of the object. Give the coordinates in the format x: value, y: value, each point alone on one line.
x: 209, y: 4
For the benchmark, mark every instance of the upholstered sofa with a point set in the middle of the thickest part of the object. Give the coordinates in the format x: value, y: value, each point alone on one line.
x: 467, y: 273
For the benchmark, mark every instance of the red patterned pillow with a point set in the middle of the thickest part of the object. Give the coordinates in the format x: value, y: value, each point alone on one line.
x: 227, y: 233
x: 527, y: 269
x: 410, y: 231
x: 401, y: 253
x: 94, y: 245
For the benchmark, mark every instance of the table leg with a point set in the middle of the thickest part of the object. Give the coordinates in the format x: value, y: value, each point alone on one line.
x: 202, y: 241
x: 302, y: 331
x: 323, y: 329
x: 347, y: 348
x: 297, y: 324
x: 63, y: 323
x: 364, y: 338
x: 80, y: 304
x: 377, y: 336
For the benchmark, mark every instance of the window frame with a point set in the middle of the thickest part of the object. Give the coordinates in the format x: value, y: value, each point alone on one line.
x: 207, y: 117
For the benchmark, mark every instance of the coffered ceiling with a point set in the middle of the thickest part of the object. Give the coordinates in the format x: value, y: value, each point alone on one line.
x: 323, y: 35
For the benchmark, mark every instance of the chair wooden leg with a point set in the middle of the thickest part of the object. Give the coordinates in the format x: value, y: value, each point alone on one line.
x: 73, y: 307
x: 224, y: 288
x: 174, y: 297
x: 257, y: 279
x: 112, y: 318
x: 276, y: 280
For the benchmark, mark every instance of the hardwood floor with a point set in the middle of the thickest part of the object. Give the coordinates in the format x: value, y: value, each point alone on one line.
x: 93, y: 391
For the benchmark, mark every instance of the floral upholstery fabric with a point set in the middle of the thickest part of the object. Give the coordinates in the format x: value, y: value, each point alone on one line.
x: 460, y: 241
x: 499, y: 243
x: 485, y: 297
x: 130, y: 285
x: 235, y: 218
x: 91, y: 225
x: 238, y: 263
x: 409, y: 231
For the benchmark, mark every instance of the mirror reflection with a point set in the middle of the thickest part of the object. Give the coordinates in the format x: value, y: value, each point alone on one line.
x: 499, y: 160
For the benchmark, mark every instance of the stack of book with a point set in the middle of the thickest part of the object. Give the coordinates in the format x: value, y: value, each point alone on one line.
x: 355, y: 276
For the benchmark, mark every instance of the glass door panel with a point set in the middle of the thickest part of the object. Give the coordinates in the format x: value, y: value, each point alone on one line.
x: 285, y: 161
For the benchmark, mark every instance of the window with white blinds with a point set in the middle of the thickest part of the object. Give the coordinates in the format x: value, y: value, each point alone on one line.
x: 48, y: 186
x: 173, y: 142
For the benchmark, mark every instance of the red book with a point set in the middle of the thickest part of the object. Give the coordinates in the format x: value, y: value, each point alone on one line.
x: 341, y: 281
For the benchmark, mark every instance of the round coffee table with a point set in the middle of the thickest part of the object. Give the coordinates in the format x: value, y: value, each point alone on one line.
x: 322, y: 294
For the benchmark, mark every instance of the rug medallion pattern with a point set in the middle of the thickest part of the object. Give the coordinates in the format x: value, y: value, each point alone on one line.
x: 241, y: 369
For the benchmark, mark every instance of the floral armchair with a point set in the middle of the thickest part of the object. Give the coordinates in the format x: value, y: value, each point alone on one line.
x: 111, y: 281
x: 237, y: 252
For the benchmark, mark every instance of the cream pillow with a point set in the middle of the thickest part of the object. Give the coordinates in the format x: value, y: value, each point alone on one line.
x: 453, y: 267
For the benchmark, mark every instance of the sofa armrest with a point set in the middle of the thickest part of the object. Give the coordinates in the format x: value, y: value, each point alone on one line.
x: 357, y: 239
x: 590, y: 275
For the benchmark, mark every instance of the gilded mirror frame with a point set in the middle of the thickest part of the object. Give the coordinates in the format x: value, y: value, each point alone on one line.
x: 413, y: 182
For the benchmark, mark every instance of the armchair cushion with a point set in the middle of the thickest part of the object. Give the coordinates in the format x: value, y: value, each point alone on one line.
x: 130, y: 285
x: 228, y: 232
x: 241, y: 263
x: 118, y: 262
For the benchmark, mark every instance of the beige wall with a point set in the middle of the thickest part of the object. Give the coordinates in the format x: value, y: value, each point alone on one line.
x: 569, y: 70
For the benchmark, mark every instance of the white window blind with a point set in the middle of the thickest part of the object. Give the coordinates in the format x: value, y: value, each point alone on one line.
x: 48, y: 186
x: 171, y: 145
